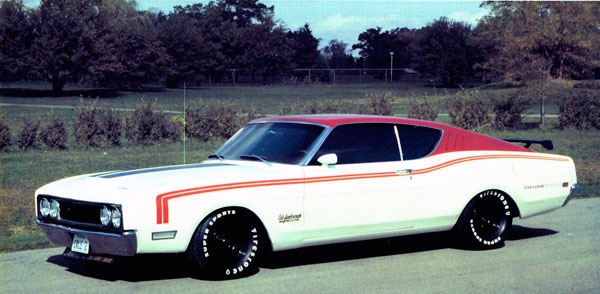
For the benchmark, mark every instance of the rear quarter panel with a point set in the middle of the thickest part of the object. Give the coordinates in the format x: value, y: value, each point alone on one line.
x: 542, y: 183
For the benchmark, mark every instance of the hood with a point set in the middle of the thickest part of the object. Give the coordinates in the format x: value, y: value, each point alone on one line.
x: 113, y: 186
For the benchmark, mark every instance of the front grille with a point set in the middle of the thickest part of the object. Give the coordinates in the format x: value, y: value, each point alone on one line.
x: 78, y: 214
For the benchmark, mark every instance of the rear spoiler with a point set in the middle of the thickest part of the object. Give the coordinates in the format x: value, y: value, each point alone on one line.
x: 547, y: 144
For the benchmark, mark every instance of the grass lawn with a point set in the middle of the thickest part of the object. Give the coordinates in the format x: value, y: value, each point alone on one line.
x: 23, y: 172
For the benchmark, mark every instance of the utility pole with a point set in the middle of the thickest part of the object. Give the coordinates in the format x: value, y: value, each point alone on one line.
x: 391, y: 66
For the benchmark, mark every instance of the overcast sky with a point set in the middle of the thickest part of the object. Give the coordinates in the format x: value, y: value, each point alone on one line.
x: 344, y: 20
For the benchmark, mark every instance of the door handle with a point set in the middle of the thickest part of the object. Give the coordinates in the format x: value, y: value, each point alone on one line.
x: 407, y: 171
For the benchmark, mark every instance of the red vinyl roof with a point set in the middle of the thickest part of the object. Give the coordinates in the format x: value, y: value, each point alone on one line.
x: 453, y: 138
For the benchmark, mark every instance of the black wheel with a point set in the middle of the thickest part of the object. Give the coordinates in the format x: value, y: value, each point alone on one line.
x: 485, y: 221
x: 226, y: 244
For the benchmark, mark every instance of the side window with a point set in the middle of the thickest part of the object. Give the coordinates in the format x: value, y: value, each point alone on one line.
x: 361, y: 143
x: 416, y: 141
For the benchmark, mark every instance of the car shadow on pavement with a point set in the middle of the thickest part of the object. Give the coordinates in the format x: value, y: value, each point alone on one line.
x: 132, y: 269
x: 383, y: 247
x: 520, y: 233
x: 175, y: 266
x: 358, y: 250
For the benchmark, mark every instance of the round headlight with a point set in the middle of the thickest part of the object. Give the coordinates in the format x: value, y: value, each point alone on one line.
x: 105, y: 216
x: 116, y: 218
x: 54, y: 209
x: 44, y: 207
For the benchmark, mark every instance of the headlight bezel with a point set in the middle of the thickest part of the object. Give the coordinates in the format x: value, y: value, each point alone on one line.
x: 117, y: 218
x: 44, y: 207
x: 54, y: 209
x: 105, y: 216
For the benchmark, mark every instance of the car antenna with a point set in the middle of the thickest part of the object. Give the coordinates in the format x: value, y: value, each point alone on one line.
x: 184, y: 102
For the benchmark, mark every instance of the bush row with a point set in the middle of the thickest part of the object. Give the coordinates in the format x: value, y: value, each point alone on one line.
x: 375, y: 103
x: 475, y: 110
x: 580, y: 111
x: 100, y: 126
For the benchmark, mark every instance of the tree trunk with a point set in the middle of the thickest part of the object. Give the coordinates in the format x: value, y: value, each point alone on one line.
x: 58, y: 82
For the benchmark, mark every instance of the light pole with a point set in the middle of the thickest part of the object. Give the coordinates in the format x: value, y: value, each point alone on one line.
x: 391, y: 66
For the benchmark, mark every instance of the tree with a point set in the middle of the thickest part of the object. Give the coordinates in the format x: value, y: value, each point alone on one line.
x: 534, y: 42
x: 404, y: 45
x: 444, y: 51
x: 305, y: 53
x: 185, y: 43
x: 337, y: 55
x: 64, y: 42
x: 245, y: 12
x: 16, y: 36
x: 215, y: 38
x: 375, y: 47
x: 128, y: 52
x: 100, y: 43
x: 268, y: 51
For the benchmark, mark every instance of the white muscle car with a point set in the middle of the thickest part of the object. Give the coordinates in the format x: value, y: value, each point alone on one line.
x: 288, y: 182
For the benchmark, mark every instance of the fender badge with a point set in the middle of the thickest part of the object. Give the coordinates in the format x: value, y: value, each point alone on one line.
x: 289, y: 217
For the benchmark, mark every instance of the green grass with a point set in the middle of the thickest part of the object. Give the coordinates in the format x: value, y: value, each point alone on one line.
x: 23, y: 172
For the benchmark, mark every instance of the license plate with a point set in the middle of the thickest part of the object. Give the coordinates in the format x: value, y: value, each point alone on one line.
x: 80, y: 244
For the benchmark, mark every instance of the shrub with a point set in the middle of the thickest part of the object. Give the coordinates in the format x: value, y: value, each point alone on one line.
x: 326, y: 105
x: 147, y: 125
x: 29, y: 135
x: 215, y: 120
x: 97, y: 126
x: 588, y: 84
x: 287, y: 109
x: 252, y: 111
x: 509, y: 110
x: 54, y: 134
x: 378, y: 103
x: 580, y: 111
x: 5, y: 140
x: 173, y: 130
x: 469, y: 109
x: 422, y: 109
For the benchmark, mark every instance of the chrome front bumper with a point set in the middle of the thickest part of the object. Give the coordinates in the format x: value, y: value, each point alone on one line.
x: 101, y: 243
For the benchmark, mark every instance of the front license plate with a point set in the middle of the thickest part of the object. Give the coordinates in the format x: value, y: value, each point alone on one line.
x: 80, y: 244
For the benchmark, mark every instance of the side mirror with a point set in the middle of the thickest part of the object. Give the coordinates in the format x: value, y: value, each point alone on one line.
x: 328, y: 159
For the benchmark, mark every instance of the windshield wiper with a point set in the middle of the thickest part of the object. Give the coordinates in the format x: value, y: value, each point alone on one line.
x: 216, y: 156
x: 255, y: 157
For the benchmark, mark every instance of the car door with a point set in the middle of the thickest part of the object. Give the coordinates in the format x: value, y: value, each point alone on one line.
x: 365, y: 192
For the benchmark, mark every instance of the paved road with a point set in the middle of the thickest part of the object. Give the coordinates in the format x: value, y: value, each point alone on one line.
x: 553, y: 253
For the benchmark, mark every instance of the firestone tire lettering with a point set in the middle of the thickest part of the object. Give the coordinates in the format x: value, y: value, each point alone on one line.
x: 226, y: 244
x: 485, y: 221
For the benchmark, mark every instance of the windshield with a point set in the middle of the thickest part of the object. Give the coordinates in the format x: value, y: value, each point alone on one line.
x: 271, y: 142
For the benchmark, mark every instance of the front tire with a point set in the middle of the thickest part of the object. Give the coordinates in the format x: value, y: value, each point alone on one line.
x: 485, y: 221
x: 226, y: 244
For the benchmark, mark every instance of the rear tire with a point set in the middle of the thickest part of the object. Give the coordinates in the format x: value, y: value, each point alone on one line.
x: 485, y: 221
x: 226, y: 244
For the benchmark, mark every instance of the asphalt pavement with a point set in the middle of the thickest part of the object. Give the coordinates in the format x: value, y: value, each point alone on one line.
x: 557, y: 252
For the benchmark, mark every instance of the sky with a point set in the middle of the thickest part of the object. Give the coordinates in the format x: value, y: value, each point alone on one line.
x: 344, y: 20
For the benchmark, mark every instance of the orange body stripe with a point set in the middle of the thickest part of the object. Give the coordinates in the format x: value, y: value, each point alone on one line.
x: 162, y: 200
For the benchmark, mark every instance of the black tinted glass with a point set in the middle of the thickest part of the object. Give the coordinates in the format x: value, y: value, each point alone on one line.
x: 361, y: 143
x: 417, y: 141
x: 274, y: 142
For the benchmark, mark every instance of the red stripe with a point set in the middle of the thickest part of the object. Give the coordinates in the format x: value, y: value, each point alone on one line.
x: 162, y: 200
